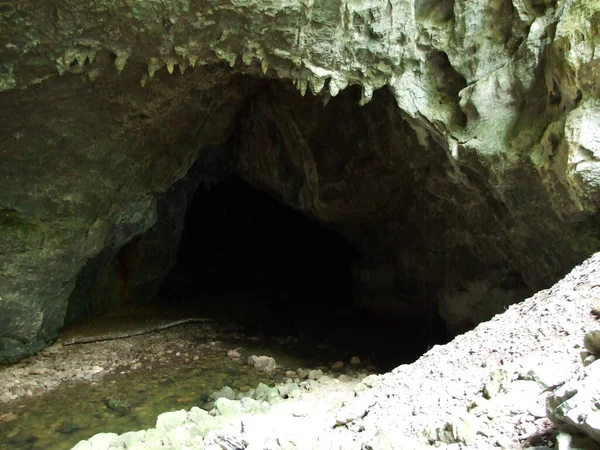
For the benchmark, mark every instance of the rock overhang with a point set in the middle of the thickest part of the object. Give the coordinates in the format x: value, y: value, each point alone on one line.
x: 107, y: 104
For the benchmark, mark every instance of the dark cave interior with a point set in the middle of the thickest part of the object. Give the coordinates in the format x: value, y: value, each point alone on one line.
x: 249, y: 260
x: 243, y: 245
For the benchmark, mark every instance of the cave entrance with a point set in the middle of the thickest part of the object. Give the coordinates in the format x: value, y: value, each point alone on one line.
x: 247, y: 258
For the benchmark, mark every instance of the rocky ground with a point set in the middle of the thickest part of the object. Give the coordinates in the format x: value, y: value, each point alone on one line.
x: 488, y: 388
x: 497, y: 386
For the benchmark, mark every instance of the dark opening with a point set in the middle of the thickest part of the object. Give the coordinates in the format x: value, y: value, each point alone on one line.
x: 249, y: 260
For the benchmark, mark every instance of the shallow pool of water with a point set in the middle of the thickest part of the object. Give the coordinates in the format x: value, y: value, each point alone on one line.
x: 131, y: 399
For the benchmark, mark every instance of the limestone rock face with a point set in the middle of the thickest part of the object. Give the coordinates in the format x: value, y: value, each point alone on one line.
x: 473, y: 175
x: 123, y: 274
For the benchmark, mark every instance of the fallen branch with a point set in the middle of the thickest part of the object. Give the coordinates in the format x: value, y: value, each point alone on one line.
x: 124, y: 335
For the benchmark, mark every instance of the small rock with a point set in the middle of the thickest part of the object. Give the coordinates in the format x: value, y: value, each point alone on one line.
x: 289, y: 390
x: 302, y: 373
x: 337, y: 366
x: 357, y: 409
x: 521, y: 396
x: 315, y: 374
x: 39, y: 370
x: 355, y: 361
x: 117, y: 407
x: 264, y: 363
x: 563, y: 441
x: 170, y: 420
x: 290, y: 373
x: 251, y: 406
x: 583, y: 354
x: 395, y: 440
x: 282, y: 389
x: 265, y: 393
x: 227, y: 407
x: 207, y: 425
x: 233, y: 354
x: 196, y: 415
x: 274, y: 400
x: 224, y: 392
x: 308, y: 385
x: 359, y: 388
x: 505, y: 442
x: 129, y: 439
x: 102, y: 441
x: 575, y: 442
x: 459, y: 427
x: 344, y: 378
x: 371, y: 380
x: 245, y: 394
x: 592, y: 342
x: 82, y: 445
x: 295, y: 393
x: 496, y: 384
x: 175, y: 437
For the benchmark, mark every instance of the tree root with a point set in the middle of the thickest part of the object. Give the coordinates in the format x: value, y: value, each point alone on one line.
x: 125, y: 335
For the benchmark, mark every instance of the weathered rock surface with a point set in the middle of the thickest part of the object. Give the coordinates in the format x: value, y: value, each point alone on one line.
x: 473, y: 177
x: 124, y: 274
x: 575, y: 407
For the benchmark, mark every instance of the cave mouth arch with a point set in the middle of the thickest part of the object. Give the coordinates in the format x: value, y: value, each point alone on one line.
x: 311, y: 218
x: 248, y: 260
x: 248, y: 257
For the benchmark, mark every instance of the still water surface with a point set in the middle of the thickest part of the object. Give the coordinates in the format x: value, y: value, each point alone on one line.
x: 122, y: 402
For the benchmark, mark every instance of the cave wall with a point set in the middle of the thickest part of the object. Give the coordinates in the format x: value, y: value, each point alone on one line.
x: 106, y: 103
x: 83, y: 162
x: 433, y: 237
x: 130, y: 273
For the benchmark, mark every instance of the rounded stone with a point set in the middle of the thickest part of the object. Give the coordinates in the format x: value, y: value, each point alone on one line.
x: 592, y: 342
x: 337, y: 366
